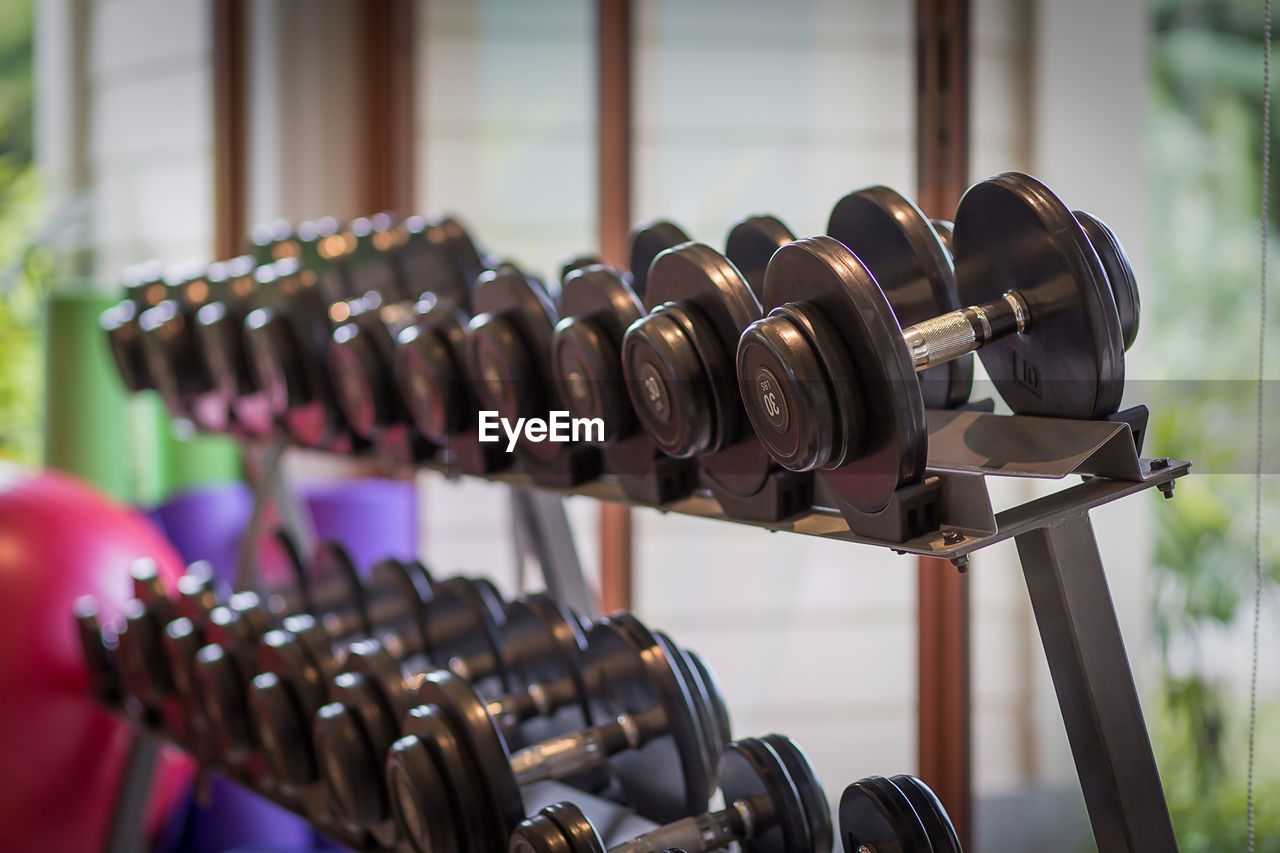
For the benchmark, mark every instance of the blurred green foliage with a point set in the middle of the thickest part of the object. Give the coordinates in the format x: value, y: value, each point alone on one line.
x: 24, y: 268
x: 1204, y: 161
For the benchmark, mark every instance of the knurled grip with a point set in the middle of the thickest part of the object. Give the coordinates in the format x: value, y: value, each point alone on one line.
x: 942, y: 338
x: 703, y: 832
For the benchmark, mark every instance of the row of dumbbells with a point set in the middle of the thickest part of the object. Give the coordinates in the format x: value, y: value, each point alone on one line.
x: 399, y: 710
x: 747, y: 371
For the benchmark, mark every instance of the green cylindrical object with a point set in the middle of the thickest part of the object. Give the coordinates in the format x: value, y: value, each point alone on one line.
x: 86, y: 411
x: 126, y: 447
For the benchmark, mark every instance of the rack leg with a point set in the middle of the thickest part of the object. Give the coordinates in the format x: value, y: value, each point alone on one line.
x: 1095, y: 688
x: 543, y: 532
x: 125, y: 833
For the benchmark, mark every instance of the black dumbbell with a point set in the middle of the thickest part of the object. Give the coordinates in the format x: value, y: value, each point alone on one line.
x: 775, y: 805
x: 228, y: 661
x: 651, y: 744
x: 249, y: 285
x: 144, y: 287
x: 897, y: 815
x: 830, y: 378
x: 542, y: 646
x: 167, y: 332
x: 508, y: 355
x: 435, y: 257
x: 596, y: 305
x: 287, y: 341
x: 457, y: 621
x: 678, y: 365
x: 913, y: 267
x: 431, y: 373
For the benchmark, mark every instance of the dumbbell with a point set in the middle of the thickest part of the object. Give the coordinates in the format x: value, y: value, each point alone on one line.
x: 431, y: 374
x: 225, y: 665
x: 251, y: 284
x: 775, y: 805
x: 144, y: 287
x: 508, y: 357
x: 678, y: 365
x: 169, y: 347
x: 287, y: 342
x: 457, y: 622
x: 897, y: 815
x: 542, y: 646
x: 829, y: 377
x: 436, y: 257
x: 456, y: 785
x: 596, y: 305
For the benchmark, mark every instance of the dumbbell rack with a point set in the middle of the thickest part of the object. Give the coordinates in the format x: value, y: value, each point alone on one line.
x: 1061, y: 564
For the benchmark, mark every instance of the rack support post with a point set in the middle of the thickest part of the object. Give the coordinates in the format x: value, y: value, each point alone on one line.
x: 1096, y: 692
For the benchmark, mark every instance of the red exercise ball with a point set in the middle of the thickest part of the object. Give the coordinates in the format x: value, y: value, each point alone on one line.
x: 61, y: 754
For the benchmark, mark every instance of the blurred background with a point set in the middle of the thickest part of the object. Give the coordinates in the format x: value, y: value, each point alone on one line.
x: 1144, y: 112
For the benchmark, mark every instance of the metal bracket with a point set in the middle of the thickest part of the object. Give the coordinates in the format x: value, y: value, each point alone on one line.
x: 542, y: 533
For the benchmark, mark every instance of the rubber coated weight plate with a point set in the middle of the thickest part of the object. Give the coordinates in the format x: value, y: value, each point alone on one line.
x: 430, y: 370
x: 628, y: 673
x: 548, y: 645
x: 500, y: 800
x: 824, y: 273
x: 697, y: 694
x: 750, y: 245
x: 932, y: 814
x: 596, y: 307
x: 1124, y: 287
x: 336, y: 591
x: 1012, y: 233
x: 751, y: 769
x: 874, y: 813
x: 647, y: 241
x: 909, y: 260
x: 723, y: 727
x: 558, y: 828
x: 812, y: 797
x: 430, y: 781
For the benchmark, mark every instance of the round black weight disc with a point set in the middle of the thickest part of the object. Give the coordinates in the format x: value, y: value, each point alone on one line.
x: 361, y: 381
x: 336, y: 592
x: 432, y: 789
x: 812, y: 797
x: 824, y: 273
x: 874, y: 813
x: 547, y: 645
x: 499, y: 799
x: 751, y: 769
x: 464, y: 627
x: 937, y: 823
x: 1012, y: 233
x: 907, y: 257
x: 596, y: 307
x: 1124, y: 286
x: 628, y: 673
x: 719, y: 710
x: 750, y: 245
x: 648, y: 240
x: 697, y: 693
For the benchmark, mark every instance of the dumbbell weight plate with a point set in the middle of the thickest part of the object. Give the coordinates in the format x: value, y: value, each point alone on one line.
x: 628, y: 672
x: 1013, y: 233
x: 932, y: 814
x: 1124, y: 287
x: 876, y: 814
x: 547, y: 643
x: 751, y: 769
x: 812, y: 797
x: 464, y: 627
x: 648, y: 240
x: 750, y: 245
x: 837, y: 286
x: 597, y: 307
x: 909, y: 260
x: 439, y: 782
x: 484, y: 750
